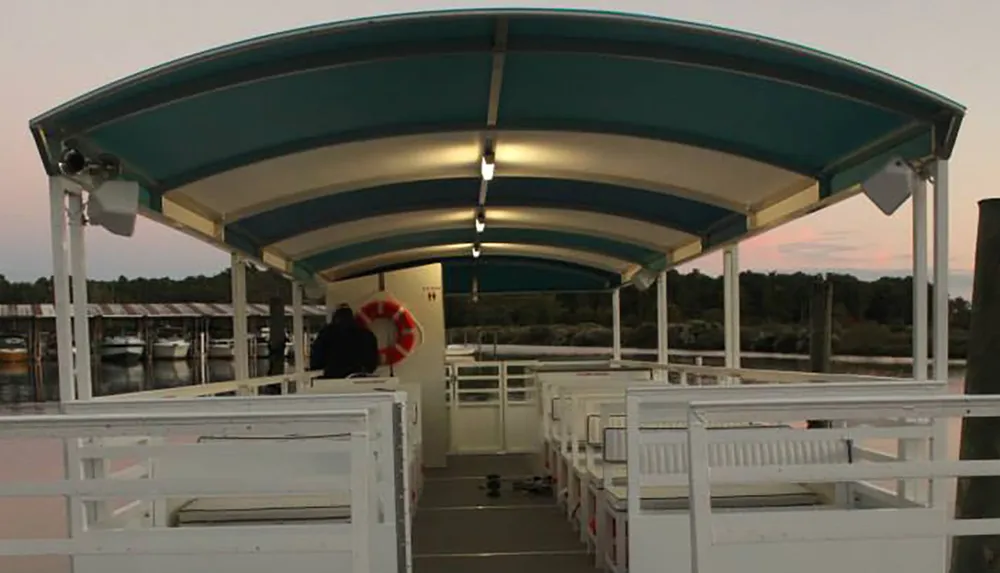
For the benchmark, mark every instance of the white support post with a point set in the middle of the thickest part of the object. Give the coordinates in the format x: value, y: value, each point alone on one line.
x: 298, y: 335
x: 81, y: 318
x: 940, y: 497
x: 241, y: 350
x: 920, y: 281
x: 60, y: 288
x: 700, y: 491
x: 942, y: 308
x: 731, y: 296
x: 662, y: 350
x: 616, y: 324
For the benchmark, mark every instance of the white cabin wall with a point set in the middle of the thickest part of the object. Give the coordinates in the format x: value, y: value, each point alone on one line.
x: 420, y: 290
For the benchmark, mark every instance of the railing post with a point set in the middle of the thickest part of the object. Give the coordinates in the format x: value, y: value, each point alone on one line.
x: 731, y: 284
x: 298, y: 336
x: 700, y: 496
x: 616, y: 324
x: 81, y: 316
x: 502, y: 386
x: 241, y: 349
x: 360, y: 501
x: 60, y: 288
x: 920, y: 281
x: 662, y: 328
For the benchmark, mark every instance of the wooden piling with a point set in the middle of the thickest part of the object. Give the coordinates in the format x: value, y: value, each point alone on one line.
x: 820, y: 334
x: 979, y: 497
x: 276, y: 322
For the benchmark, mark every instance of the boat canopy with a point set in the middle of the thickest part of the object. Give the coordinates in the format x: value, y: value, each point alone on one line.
x: 565, y: 149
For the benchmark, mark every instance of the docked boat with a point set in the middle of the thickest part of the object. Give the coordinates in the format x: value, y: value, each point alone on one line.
x: 171, y: 345
x: 122, y: 348
x: 460, y: 353
x: 13, y: 348
x: 221, y: 349
x: 263, y: 343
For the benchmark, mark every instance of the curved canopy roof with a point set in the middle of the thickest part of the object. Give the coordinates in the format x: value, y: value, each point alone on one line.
x: 621, y: 142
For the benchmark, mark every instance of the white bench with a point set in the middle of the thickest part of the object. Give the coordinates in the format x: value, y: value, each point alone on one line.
x: 390, y: 511
x: 666, y: 461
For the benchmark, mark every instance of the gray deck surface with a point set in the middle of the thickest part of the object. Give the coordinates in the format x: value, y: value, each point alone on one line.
x: 459, y: 529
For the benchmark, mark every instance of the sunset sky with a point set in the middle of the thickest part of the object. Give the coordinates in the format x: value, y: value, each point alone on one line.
x: 54, y: 50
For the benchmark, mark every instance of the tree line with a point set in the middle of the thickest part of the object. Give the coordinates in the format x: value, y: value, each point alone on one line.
x: 870, y: 316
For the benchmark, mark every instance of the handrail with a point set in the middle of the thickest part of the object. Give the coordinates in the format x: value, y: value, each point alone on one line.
x: 756, y: 374
x: 213, y: 388
x: 146, y: 534
x: 906, y: 521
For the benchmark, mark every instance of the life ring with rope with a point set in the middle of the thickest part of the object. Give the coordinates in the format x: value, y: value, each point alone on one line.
x: 404, y: 323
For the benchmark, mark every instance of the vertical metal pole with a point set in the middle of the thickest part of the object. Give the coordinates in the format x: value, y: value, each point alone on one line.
x: 661, y: 324
x: 727, y: 308
x: 60, y: 288
x: 81, y: 318
x: 920, y: 281
x: 700, y: 511
x: 239, y: 294
x: 939, y: 446
x: 731, y: 283
x: 616, y: 324
x: 942, y: 311
x: 298, y: 335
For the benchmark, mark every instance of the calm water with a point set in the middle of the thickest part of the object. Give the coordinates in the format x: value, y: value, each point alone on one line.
x: 24, y: 383
x: 27, y: 383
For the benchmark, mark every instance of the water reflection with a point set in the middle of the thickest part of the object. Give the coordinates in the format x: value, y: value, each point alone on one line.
x: 34, y: 382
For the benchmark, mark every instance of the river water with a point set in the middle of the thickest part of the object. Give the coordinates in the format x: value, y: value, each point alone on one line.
x: 31, y: 390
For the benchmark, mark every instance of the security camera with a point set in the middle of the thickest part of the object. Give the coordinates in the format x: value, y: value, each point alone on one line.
x: 72, y: 162
x: 109, y: 166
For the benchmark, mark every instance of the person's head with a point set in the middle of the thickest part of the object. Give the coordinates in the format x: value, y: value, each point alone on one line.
x: 343, y: 315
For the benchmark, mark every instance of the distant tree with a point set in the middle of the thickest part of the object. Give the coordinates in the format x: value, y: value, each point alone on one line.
x: 765, y: 298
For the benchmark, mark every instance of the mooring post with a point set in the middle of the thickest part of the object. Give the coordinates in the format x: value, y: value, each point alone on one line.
x: 979, y: 497
x: 820, y: 334
x: 276, y: 323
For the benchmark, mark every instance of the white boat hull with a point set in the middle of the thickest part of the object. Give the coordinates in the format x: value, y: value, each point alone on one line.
x: 13, y: 354
x: 122, y: 352
x: 171, y: 350
x: 221, y: 350
x: 263, y: 349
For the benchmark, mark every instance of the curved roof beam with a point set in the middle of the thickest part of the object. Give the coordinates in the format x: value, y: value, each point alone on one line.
x: 711, y: 177
x: 529, y: 131
x: 591, y: 244
x: 460, y: 250
x: 620, y: 229
x: 511, y: 274
x: 655, y: 208
x: 854, y: 81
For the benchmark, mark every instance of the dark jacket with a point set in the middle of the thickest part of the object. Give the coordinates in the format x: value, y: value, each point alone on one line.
x: 343, y: 347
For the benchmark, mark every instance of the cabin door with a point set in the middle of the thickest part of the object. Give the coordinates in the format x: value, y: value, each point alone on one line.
x: 493, y: 408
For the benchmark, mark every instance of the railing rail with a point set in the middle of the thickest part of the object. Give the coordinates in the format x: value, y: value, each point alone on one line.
x: 348, y: 477
x: 239, y: 387
x: 913, y: 418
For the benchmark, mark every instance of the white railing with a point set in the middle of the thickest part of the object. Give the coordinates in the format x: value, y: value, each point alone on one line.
x: 697, y: 374
x: 398, y: 472
x: 248, y: 387
x: 902, y: 533
x: 341, y: 437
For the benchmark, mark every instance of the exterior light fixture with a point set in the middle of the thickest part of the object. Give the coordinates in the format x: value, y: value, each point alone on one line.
x: 480, y: 220
x: 476, y: 251
x: 487, y: 167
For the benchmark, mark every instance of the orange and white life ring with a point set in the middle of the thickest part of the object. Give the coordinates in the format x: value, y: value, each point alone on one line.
x: 406, y: 328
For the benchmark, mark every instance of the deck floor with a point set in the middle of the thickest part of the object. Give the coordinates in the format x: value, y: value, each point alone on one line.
x: 459, y: 529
